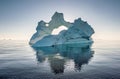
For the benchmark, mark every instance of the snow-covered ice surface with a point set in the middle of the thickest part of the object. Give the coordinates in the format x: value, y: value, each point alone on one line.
x: 77, y: 32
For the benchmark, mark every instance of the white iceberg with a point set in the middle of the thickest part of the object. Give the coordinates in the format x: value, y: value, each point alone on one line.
x: 77, y: 32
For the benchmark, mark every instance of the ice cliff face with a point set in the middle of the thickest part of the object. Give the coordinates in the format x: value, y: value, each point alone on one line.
x: 78, y: 32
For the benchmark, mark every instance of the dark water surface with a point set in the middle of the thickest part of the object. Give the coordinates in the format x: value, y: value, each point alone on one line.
x: 99, y: 61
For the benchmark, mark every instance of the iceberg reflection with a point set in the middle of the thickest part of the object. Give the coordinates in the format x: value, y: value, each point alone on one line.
x: 57, y: 56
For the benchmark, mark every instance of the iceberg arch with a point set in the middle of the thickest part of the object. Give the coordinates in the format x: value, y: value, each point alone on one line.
x: 77, y: 32
x: 56, y: 31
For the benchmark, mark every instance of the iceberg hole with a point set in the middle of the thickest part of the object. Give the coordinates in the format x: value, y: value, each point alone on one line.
x: 56, y: 31
x: 47, y: 24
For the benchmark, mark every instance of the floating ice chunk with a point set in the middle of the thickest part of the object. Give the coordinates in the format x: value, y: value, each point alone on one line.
x: 77, y: 32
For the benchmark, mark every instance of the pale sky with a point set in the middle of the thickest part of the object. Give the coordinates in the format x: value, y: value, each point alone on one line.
x: 19, y: 18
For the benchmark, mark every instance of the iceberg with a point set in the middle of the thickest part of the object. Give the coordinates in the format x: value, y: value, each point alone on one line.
x: 78, y: 32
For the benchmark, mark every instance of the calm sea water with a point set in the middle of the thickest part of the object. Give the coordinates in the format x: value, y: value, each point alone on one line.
x: 20, y: 61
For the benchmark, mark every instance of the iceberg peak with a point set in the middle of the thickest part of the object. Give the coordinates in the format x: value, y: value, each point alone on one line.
x: 58, y: 16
